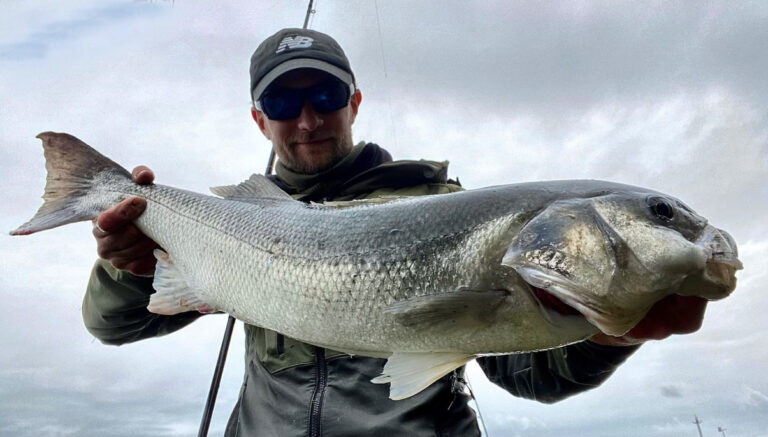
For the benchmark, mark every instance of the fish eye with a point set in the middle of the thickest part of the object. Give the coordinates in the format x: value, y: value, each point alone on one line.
x: 661, y: 208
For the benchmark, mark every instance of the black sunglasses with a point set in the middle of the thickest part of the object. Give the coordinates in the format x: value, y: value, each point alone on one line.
x: 286, y: 103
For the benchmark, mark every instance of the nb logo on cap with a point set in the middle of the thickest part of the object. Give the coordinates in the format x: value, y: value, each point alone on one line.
x: 294, y: 42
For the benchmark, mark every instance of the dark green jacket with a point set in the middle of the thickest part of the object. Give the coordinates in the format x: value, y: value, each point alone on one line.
x: 296, y: 389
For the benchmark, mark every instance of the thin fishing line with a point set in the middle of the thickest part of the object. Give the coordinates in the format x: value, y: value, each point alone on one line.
x: 477, y: 406
x: 386, y: 82
x: 381, y: 38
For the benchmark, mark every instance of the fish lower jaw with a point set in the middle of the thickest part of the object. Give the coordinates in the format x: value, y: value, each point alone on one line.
x: 551, y: 302
x: 566, y: 307
x: 725, y: 260
x: 601, y: 320
x: 723, y: 275
x: 610, y: 327
x: 716, y: 281
x: 558, y: 312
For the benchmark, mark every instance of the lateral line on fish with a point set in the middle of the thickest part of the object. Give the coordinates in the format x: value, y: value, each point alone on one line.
x: 318, y: 256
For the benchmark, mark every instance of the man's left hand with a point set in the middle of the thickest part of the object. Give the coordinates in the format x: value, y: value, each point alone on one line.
x: 672, y: 315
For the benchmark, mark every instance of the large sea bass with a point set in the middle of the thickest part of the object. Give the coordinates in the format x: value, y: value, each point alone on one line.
x: 428, y: 282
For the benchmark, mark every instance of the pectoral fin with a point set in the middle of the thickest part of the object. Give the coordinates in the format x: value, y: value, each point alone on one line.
x: 462, y: 307
x: 410, y: 373
x: 173, y: 293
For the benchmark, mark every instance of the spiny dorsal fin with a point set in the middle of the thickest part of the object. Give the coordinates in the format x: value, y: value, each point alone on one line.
x: 256, y: 188
x: 363, y: 202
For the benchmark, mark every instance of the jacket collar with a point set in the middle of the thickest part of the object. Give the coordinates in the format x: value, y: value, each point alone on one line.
x: 321, y: 186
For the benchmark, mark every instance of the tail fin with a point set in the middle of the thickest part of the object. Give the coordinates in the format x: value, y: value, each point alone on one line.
x: 72, y: 167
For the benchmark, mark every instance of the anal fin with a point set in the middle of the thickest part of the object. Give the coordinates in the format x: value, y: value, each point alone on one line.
x: 173, y: 294
x: 408, y: 373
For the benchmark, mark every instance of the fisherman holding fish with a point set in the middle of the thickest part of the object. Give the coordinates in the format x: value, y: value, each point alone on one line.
x: 305, y: 101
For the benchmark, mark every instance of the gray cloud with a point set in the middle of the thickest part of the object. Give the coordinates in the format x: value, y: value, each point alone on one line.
x: 37, y: 43
x: 37, y: 411
x: 559, y: 55
x: 671, y: 391
x: 755, y: 398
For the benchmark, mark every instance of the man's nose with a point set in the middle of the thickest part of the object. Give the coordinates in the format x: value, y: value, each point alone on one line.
x: 309, y: 119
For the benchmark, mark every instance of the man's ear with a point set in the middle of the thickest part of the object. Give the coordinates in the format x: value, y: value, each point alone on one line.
x: 354, y: 104
x: 260, y: 120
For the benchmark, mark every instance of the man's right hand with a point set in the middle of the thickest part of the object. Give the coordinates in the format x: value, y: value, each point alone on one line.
x: 118, y: 240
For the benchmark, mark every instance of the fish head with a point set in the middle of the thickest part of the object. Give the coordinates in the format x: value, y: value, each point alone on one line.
x: 610, y: 257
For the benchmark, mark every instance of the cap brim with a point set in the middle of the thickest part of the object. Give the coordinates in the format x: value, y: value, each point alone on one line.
x: 295, y: 64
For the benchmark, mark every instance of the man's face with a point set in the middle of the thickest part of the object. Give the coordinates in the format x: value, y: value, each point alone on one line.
x: 312, y: 142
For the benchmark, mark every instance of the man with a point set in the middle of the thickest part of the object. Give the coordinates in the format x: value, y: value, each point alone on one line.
x: 305, y: 103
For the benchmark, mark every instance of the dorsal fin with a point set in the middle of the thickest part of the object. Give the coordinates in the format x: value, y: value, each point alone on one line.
x: 363, y: 202
x: 256, y: 188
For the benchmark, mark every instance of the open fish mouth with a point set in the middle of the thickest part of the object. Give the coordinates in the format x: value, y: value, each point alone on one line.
x: 558, y: 303
x: 558, y: 306
x: 564, y: 313
x: 544, y: 290
x: 563, y: 306
x: 551, y: 302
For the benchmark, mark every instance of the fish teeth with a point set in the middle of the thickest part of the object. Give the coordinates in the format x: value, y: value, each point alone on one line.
x: 552, y: 259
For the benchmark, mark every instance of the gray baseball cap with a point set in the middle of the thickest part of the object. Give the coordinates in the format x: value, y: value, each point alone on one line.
x: 292, y: 49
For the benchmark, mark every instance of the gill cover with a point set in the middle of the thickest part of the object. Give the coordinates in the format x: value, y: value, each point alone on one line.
x: 570, y: 251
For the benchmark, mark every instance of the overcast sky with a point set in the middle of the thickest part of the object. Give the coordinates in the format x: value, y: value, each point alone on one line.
x: 668, y: 95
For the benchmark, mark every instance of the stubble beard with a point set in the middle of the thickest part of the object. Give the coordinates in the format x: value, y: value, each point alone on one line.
x: 340, y: 147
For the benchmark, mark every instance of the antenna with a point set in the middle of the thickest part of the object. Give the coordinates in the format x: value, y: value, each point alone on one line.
x: 698, y: 425
x: 310, y: 11
x: 216, y: 382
